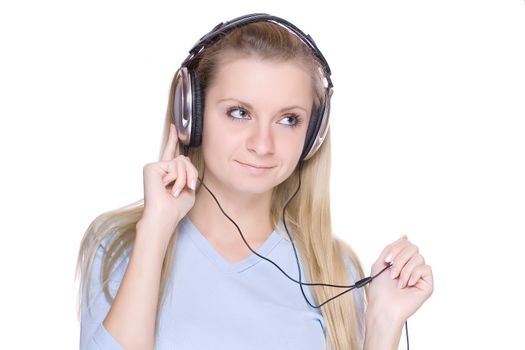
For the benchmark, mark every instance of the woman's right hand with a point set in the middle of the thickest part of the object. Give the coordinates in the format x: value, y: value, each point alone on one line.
x: 169, y: 189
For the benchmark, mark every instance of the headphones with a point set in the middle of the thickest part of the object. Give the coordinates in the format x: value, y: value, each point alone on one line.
x: 188, y: 98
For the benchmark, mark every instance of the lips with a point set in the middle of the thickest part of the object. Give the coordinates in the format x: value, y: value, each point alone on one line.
x: 256, y: 166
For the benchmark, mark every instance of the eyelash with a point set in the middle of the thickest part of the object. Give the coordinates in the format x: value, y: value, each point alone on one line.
x: 297, y: 118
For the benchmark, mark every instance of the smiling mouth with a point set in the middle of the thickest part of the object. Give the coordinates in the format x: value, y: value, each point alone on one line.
x: 255, y: 166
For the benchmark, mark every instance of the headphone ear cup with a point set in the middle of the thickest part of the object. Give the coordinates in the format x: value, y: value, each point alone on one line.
x: 181, y: 107
x: 312, y: 131
x: 317, y: 128
x: 197, y: 111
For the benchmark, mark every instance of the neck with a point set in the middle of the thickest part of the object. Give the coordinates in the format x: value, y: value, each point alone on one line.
x: 251, y: 212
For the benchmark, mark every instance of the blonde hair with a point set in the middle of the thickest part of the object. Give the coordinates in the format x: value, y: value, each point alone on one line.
x: 307, y: 216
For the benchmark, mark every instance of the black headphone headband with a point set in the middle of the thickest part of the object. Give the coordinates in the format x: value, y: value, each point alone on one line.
x: 223, y: 28
x: 188, y: 99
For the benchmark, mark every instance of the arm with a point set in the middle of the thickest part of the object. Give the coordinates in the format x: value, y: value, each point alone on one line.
x: 396, y: 295
x: 381, y: 333
x: 131, y: 319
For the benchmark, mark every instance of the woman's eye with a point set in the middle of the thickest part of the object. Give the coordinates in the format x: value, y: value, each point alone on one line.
x: 291, y: 120
x: 237, y: 113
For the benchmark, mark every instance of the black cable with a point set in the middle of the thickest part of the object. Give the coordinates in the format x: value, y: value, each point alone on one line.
x: 359, y: 284
x: 406, y: 332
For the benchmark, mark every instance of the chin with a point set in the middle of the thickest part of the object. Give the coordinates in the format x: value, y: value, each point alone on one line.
x: 252, y: 186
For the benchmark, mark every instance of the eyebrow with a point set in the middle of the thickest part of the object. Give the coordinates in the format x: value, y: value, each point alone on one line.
x: 250, y: 106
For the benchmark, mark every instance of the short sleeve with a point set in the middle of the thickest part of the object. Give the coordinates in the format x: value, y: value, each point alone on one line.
x: 93, y: 334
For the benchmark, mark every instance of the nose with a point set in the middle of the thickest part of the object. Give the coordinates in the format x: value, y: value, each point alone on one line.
x: 261, y: 139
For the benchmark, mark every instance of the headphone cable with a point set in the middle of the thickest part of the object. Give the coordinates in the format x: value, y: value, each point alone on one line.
x: 361, y: 283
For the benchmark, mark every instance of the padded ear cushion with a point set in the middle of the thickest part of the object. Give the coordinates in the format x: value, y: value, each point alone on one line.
x: 197, y: 111
x: 313, y: 129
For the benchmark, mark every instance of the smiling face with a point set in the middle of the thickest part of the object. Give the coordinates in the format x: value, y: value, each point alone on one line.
x: 255, y: 120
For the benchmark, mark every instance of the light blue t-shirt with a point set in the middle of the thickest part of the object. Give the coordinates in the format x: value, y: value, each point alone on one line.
x: 214, y: 304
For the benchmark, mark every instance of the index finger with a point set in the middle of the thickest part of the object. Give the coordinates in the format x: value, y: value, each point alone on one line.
x: 170, y: 150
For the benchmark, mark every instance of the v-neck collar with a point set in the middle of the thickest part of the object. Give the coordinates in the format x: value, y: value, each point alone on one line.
x: 218, y: 260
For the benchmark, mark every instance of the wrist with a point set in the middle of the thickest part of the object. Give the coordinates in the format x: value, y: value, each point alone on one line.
x: 380, y: 316
x: 382, y: 330
x: 152, y: 236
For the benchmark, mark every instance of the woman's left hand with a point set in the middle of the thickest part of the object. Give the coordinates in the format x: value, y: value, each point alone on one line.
x: 399, y: 291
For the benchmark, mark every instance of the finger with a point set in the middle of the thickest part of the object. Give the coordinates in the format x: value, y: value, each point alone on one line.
x: 401, y: 258
x: 391, y: 250
x: 422, y: 278
x: 180, y: 182
x: 406, y: 272
x: 170, y: 150
x: 171, y: 171
x: 191, y: 174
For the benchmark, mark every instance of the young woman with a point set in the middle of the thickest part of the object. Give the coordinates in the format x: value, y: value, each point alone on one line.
x: 200, y: 262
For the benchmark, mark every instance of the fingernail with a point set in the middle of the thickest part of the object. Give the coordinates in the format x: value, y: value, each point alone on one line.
x: 388, y: 258
x: 176, y: 193
x: 400, y: 284
x: 393, y: 273
x: 411, y: 281
x: 193, y: 184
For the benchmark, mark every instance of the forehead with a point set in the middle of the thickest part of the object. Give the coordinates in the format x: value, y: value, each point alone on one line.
x: 268, y: 81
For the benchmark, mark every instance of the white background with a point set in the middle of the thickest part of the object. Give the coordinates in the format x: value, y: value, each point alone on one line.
x: 427, y: 124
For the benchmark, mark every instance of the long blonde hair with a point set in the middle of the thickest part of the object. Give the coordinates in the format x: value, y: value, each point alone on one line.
x: 307, y: 216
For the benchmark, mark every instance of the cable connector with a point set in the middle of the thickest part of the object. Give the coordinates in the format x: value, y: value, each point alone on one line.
x: 363, y: 282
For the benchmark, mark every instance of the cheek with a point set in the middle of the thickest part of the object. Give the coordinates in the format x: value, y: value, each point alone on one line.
x: 217, y: 147
x: 290, y: 148
x: 291, y: 144
x: 208, y: 140
x: 211, y: 133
